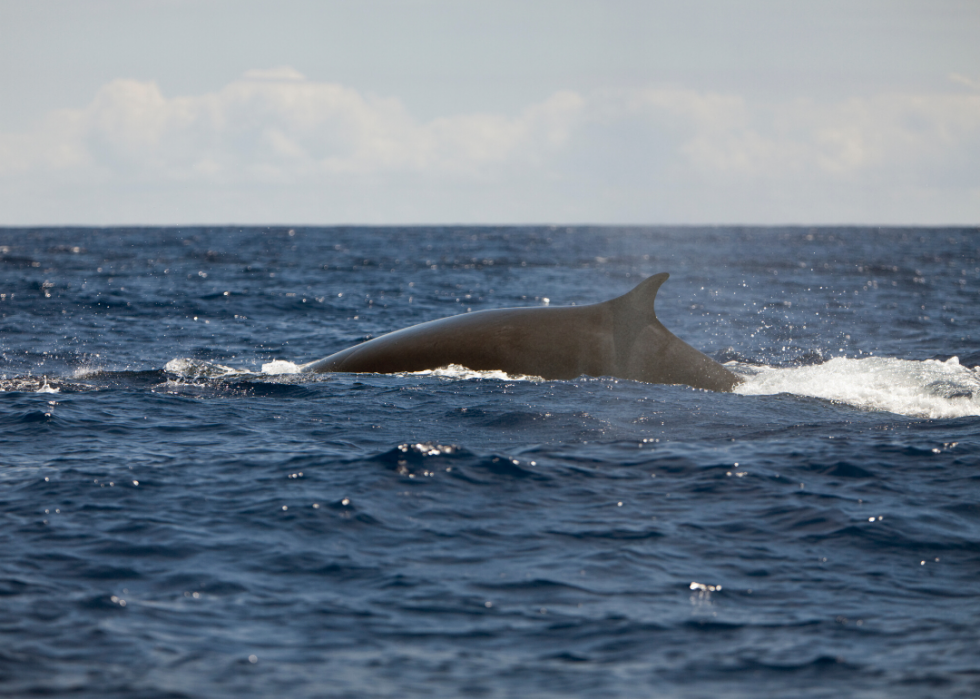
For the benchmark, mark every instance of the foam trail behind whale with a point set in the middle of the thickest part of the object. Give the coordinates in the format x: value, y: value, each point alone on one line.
x: 915, y: 388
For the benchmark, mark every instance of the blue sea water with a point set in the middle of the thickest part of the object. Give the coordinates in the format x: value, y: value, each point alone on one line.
x: 183, y: 515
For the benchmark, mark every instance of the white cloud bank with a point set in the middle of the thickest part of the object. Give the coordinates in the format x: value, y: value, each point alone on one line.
x: 273, y: 146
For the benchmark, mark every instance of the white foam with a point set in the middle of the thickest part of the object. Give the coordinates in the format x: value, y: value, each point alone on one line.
x: 196, y: 368
x: 455, y: 371
x: 87, y: 371
x: 27, y: 384
x: 280, y: 366
x: 927, y: 388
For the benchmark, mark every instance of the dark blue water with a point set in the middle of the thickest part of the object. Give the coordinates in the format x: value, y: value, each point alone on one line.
x: 178, y: 521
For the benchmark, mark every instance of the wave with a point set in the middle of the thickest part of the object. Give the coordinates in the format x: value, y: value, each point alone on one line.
x: 927, y: 388
x: 452, y: 371
x: 915, y: 388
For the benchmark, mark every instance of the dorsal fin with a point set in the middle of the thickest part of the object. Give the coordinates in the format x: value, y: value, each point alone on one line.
x: 639, y: 303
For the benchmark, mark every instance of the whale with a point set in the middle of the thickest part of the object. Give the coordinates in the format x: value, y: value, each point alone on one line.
x: 620, y: 338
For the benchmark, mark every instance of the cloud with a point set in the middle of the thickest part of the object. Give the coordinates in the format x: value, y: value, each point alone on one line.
x: 723, y: 136
x: 964, y: 80
x: 657, y: 153
x: 276, y: 125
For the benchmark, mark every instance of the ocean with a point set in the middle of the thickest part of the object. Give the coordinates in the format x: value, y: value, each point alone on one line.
x: 182, y: 514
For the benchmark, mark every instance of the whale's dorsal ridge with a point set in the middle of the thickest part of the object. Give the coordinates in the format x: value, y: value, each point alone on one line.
x: 640, y: 301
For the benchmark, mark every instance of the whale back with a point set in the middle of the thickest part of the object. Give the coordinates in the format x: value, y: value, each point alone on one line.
x: 621, y: 337
x: 553, y: 343
x: 647, y: 351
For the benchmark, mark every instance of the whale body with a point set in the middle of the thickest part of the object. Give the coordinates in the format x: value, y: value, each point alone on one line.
x: 621, y: 338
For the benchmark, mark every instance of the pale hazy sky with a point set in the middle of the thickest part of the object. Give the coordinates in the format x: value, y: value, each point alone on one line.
x: 498, y: 111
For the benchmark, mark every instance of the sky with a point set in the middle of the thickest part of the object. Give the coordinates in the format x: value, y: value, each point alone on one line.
x: 322, y: 112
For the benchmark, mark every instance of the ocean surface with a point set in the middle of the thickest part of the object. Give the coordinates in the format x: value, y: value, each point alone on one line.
x: 184, y: 515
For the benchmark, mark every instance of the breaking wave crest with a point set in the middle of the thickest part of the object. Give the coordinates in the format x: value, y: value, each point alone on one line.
x: 916, y: 388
